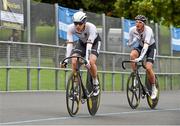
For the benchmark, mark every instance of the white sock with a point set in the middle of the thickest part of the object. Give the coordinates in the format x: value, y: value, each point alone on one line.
x: 95, y: 81
x: 153, y: 86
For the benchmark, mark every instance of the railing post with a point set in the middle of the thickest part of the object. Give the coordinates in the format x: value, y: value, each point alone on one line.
x: 122, y: 35
x: 103, y: 81
x: 57, y: 49
x: 104, y: 49
x: 28, y: 47
x: 8, y: 64
x: 66, y: 78
x: 38, y: 70
x: 104, y: 32
x: 122, y: 77
x: 166, y: 80
x: 113, y: 78
x: 157, y: 37
x: 171, y: 82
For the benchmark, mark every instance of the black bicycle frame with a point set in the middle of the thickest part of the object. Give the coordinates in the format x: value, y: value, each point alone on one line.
x: 136, y: 72
x: 78, y: 71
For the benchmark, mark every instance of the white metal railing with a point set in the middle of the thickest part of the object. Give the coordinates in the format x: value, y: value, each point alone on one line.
x: 103, y: 72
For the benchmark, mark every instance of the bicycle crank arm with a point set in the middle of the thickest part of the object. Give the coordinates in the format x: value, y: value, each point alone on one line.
x: 146, y: 91
x: 90, y: 94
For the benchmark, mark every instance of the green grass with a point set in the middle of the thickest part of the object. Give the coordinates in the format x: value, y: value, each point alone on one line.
x: 18, y: 80
x: 4, y: 34
x: 44, y: 34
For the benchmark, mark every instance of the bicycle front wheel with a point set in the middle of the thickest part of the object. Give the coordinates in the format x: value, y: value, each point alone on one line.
x: 73, y: 94
x: 133, y: 90
x: 93, y: 102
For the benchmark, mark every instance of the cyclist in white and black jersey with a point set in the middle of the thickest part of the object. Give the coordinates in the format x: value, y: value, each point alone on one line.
x: 143, y: 34
x: 88, y: 45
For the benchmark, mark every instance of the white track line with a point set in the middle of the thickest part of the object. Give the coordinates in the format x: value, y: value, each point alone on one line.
x: 102, y: 114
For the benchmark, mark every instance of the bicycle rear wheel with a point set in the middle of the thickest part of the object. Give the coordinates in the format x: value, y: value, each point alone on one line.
x: 152, y: 102
x: 93, y: 102
x: 133, y: 90
x: 73, y: 94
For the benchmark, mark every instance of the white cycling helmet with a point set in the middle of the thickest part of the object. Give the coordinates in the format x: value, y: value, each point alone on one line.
x: 79, y: 17
x: 141, y: 18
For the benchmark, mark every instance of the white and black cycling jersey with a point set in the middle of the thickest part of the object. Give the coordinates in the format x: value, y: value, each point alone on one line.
x: 89, y: 34
x: 146, y: 36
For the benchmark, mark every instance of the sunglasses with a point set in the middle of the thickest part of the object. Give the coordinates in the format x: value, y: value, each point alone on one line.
x: 138, y: 21
x: 78, y: 23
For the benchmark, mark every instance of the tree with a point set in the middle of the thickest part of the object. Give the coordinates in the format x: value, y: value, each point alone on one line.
x: 97, y: 6
x: 161, y: 11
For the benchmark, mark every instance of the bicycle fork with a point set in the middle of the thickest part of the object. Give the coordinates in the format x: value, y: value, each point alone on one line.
x: 144, y: 91
x: 85, y: 93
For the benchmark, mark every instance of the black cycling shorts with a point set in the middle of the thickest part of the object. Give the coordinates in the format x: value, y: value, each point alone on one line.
x: 80, y: 47
x: 150, y: 54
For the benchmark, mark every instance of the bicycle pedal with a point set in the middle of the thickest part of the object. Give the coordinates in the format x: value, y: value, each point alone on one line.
x: 143, y: 96
x: 148, y: 93
x: 90, y: 94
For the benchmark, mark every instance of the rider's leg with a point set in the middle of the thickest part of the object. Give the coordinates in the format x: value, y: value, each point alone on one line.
x: 151, y: 78
x: 149, y: 68
x: 150, y: 72
x: 133, y: 55
x: 74, y: 63
x: 93, y: 71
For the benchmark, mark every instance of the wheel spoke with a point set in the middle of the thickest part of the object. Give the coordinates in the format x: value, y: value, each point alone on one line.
x: 72, y: 101
x: 72, y: 106
x: 132, y: 98
x: 133, y: 92
x: 136, y: 96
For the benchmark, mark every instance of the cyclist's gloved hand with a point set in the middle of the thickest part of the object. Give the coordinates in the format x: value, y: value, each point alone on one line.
x: 138, y: 59
x: 88, y: 66
x: 63, y: 65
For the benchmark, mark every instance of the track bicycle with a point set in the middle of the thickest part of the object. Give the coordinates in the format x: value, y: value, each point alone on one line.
x: 77, y: 93
x: 137, y: 89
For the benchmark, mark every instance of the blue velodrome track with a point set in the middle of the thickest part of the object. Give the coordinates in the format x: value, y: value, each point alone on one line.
x: 49, y: 108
